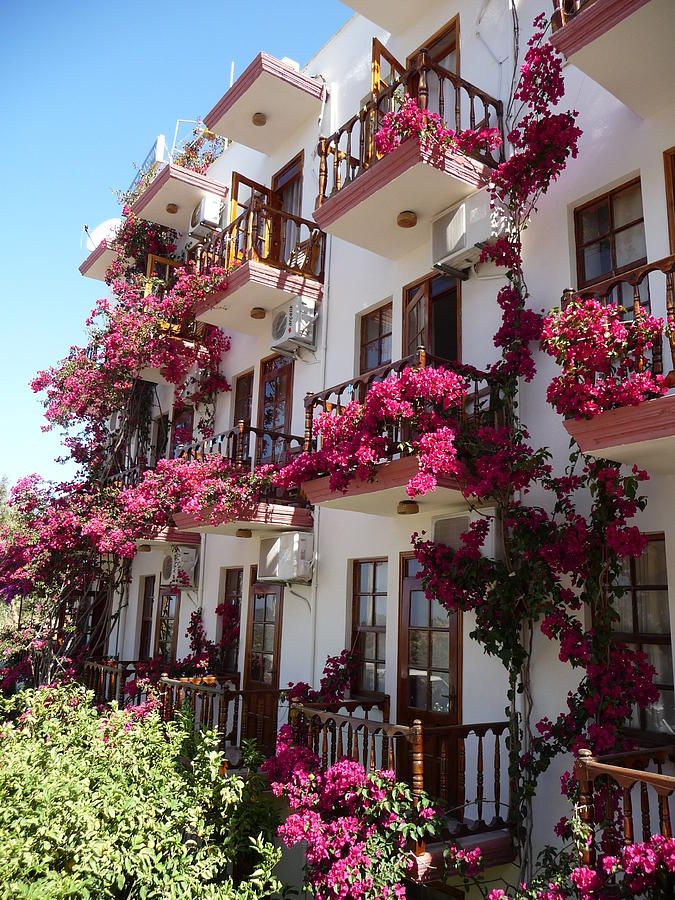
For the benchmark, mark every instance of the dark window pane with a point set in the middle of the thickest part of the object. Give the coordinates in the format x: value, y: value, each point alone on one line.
x: 653, y: 612
x: 594, y: 222
x: 418, y: 648
x: 380, y: 610
x: 419, y: 610
x: 597, y: 260
x: 418, y: 683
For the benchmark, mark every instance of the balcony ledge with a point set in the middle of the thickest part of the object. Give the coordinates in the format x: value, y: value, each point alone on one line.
x: 496, y: 848
x: 160, y: 537
x: 381, y: 496
x: 174, y: 184
x: 641, y: 435
x: 99, y: 261
x: 631, y: 31
x: 252, y: 285
x: 265, y: 518
x: 286, y: 97
x: 412, y: 177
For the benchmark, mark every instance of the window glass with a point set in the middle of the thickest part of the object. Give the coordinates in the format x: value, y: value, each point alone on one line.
x: 369, y: 620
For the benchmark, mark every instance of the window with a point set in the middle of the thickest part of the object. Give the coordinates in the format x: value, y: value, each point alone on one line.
x: 369, y: 621
x: 431, y: 317
x: 232, y: 581
x: 160, y: 438
x: 147, y: 603
x: 167, y: 623
x: 243, y: 403
x: 183, y: 428
x: 644, y: 623
x: 610, y: 236
x: 375, y: 339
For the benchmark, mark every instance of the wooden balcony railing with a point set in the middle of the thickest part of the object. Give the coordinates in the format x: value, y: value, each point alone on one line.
x: 566, y: 10
x: 484, y: 403
x: 267, y: 235
x: 351, y: 150
x: 235, y: 714
x: 448, y: 762
x: 632, y: 292
x: 107, y: 679
x: 247, y: 447
x: 646, y: 791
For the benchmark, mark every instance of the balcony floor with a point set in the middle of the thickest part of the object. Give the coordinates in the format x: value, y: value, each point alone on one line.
x: 643, y: 435
x: 364, y: 212
x: 267, y: 518
x: 381, y: 496
x: 255, y: 284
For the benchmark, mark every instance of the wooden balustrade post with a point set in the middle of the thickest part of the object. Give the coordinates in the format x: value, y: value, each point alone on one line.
x: 418, y: 772
x: 421, y: 357
x: 670, y: 314
x: 585, y: 803
x: 323, y: 170
x: 309, y: 416
x: 239, y: 450
x: 423, y: 84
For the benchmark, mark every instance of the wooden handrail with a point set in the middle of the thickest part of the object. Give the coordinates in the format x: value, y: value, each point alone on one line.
x: 588, y: 770
x: 352, y: 146
x: 261, y: 234
x: 604, y: 292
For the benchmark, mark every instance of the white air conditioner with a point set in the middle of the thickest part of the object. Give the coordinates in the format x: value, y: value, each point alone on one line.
x: 287, y: 558
x: 180, y: 567
x: 293, y: 325
x: 458, y: 234
x: 449, y: 531
x: 206, y: 216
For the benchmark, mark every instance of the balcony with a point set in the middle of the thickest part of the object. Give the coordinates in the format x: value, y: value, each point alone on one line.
x: 99, y: 261
x: 190, y: 333
x: 172, y: 195
x: 395, y: 17
x: 641, y: 435
x: 638, y: 782
x: 609, y: 40
x: 266, y: 105
x: 384, y: 494
x: 273, y: 256
x: 245, y: 448
x: 463, y: 767
x: 362, y: 195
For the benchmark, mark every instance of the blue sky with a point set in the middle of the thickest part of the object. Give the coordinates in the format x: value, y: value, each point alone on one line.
x: 85, y: 88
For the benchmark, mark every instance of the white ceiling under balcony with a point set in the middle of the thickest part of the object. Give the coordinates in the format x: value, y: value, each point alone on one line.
x: 266, y: 105
x: 394, y: 15
x: 179, y: 188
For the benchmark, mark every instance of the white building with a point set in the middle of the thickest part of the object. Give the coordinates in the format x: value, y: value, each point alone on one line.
x: 379, y: 297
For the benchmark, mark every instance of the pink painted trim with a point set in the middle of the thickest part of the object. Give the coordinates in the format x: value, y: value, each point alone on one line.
x: 592, y: 22
x: 95, y: 255
x: 269, y: 276
x: 182, y: 176
x: 264, y: 514
x: 263, y: 62
x: 396, y: 473
x: 649, y: 421
x: 411, y: 153
x: 173, y: 536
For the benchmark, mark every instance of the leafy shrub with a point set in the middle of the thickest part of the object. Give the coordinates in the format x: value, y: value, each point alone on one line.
x: 118, y: 804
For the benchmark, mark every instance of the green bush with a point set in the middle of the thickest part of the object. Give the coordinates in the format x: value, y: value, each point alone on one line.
x: 121, y: 805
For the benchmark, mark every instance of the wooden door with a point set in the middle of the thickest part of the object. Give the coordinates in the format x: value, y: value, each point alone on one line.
x: 147, y: 607
x: 386, y: 73
x: 274, y: 407
x: 242, y: 406
x: 261, y: 664
x: 168, y: 615
x: 429, y: 670
x: 250, y: 206
x: 432, y: 317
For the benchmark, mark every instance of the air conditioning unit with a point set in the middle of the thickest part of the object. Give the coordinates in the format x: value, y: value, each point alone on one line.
x: 449, y: 531
x: 206, y: 216
x: 180, y: 567
x: 458, y: 234
x: 294, y: 325
x: 287, y: 558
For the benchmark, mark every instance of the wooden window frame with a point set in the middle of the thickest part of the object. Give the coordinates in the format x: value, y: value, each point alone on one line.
x: 451, y: 24
x: 402, y: 702
x: 297, y: 163
x: 669, y: 172
x: 247, y: 681
x: 579, y: 245
x: 249, y: 373
x: 176, y: 622
x: 639, y: 639
x: 224, y: 598
x: 428, y: 278
x: 363, y: 344
x: 357, y: 629
x: 261, y: 397
x: 146, y: 621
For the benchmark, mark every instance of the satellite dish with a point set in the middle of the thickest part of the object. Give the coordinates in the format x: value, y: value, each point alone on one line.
x: 106, y: 231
